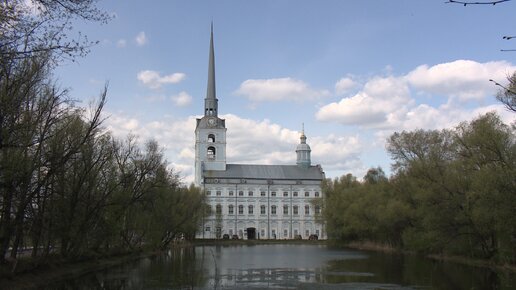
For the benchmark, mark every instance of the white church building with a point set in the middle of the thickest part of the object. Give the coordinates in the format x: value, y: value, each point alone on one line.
x: 253, y: 201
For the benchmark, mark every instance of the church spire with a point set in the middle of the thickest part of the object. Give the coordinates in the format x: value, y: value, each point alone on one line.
x: 211, y: 102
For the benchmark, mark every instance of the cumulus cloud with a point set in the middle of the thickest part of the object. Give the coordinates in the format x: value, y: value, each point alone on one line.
x: 387, y: 102
x: 281, y: 89
x: 154, y: 80
x: 462, y: 79
x: 182, y: 99
x: 373, y: 106
x: 344, y: 85
x: 248, y: 142
x: 141, y: 39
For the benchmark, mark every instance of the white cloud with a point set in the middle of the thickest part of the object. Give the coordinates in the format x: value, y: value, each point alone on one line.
x: 141, y: 39
x: 182, y: 99
x: 373, y: 106
x: 153, y: 80
x: 121, y: 43
x: 248, y: 142
x: 387, y: 102
x: 462, y: 79
x: 344, y: 85
x: 281, y: 89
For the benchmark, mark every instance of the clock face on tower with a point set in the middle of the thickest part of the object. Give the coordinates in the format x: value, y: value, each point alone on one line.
x: 212, y: 122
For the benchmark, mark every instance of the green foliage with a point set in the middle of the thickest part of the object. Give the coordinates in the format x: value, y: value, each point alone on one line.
x: 453, y: 192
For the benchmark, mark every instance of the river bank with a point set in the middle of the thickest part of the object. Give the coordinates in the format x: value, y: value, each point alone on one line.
x: 371, y: 246
x: 54, y: 269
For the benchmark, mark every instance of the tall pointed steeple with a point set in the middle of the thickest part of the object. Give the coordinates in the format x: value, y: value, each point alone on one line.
x: 211, y: 102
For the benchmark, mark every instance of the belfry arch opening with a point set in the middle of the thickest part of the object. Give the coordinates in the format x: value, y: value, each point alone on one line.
x: 211, y: 138
x: 211, y: 152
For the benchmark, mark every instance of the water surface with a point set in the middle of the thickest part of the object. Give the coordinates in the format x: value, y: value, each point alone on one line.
x: 300, y: 266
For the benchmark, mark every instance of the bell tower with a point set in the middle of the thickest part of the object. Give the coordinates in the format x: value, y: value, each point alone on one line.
x: 210, y: 132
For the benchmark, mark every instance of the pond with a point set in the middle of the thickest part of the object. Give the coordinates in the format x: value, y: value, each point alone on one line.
x: 289, y: 266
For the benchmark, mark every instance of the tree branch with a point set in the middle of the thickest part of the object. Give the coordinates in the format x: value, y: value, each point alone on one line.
x: 466, y: 3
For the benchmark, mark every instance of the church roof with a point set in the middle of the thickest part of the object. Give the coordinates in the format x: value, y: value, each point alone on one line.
x: 247, y: 171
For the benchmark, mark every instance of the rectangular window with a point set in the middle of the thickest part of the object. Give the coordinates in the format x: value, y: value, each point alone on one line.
x: 262, y: 193
x: 240, y: 193
x: 273, y: 193
x: 273, y: 209
x: 262, y: 209
x: 316, y: 194
x: 285, y: 233
x: 208, y: 229
x: 250, y: 210
x: 250, y: 193
x: 307, y: 194
x: 219, y: 193
x: 317, y: 209
x: 231, y: 193
x: 307, y: 233
x: 208, y: 192
x: 262, y: 233
x: 307, y: 209
x: 240, y: 209
x: 295, y: 209
x: 285, y: 193
x: 295, y: 193
x: 230, y: 209
x: 285, y: 209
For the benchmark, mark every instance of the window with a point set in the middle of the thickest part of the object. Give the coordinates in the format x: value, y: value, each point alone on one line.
x: 285, y: 193
x: 285, y: 233
x: 273, y: 209
x: 295, y: 193
x: 307, y: 233
x: 262, y: 209
x: 230, y: 209
x: 219, y: 193
x: 218, y: 209
x: 208, y: 192
x: 317, y: 209
x: 211, y: 138
x: 230, y: 233
x: 231, y: 193
x: 307, y: 209
x: 296, y: 209
x: 250, y: 209
x: 208, y: 229
x: 316, y: 194
x: 285, y: 209
x: 250, y: 193
x: 262, y: 233
x: 240, y: 209
x: 273, y: 193
x: 211, y: 152
x: 240, y: 193
x: 317, y: 232
x: 307, y: 194
x: 262, y: 193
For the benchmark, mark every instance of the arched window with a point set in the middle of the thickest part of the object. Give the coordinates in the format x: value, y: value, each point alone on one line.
x: 230, y: 209
x: 211, y: 152
x: 273, y: 209
x: 211, y: 138
x: 218, y: 209
x: 307, y: 209
x: 240, y: 209
x: 262, y: 210
x: 250, y: 209
x: 317, y: 209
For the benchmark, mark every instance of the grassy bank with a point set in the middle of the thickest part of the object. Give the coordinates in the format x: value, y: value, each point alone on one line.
x: 372, y: 246
x: 37, y: 273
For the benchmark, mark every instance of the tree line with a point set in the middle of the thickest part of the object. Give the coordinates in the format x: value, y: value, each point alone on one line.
x: 67, y: 186
x: 452, y: 192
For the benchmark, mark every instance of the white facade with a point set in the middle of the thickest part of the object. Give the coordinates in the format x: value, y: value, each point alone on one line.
x: 253, y: 201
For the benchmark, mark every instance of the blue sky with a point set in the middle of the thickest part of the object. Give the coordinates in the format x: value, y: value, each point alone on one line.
x: 353, y: 72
